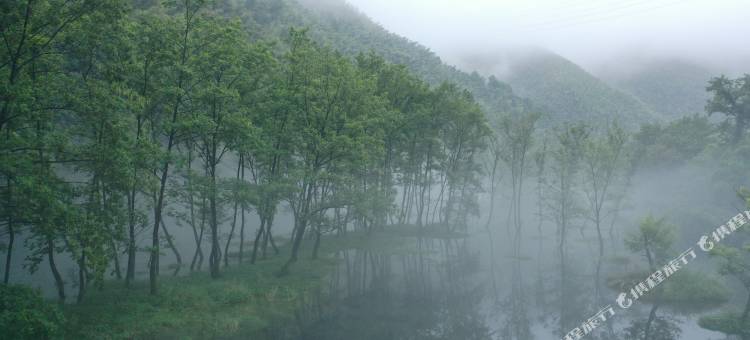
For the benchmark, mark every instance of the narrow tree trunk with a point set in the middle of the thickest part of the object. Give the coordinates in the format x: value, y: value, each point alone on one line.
x: 298, y: 235
x: 746, y: 313
x: 11, y: 232
x: 601, y: 258
x: 170, y: 242
x: 242, y: 234
x: 317, y: 243
x: 9, y: 251
x: 257, y: 239
x: 215, y: 257
x: 130, y: 272
x: 242, y: 217
x: 231, y: 235
x: 55, y: 273
x: 116, y: 260
x: 651, y: 318
x: 81, y: 276
x: 268, y: 237
x: 234, y: 218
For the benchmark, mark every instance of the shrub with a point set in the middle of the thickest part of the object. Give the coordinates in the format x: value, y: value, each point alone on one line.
x: 24, y: 314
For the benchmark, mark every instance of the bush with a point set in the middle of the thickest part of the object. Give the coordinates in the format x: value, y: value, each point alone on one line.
x: 24, y: 314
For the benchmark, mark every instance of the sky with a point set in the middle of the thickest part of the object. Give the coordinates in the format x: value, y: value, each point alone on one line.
x: 591, y: 33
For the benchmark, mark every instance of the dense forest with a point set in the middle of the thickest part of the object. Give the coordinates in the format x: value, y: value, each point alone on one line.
x: 273, y: 169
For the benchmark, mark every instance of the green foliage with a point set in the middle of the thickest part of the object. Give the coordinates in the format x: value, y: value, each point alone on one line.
x: 24, y: 314
x: 727, y: 323
x: 339, y: 25
x: 654, y: 238
x: 676, y: 143
x: 730, y: 97
x: 567, y: 92
x: 661, y: 328
x: 676, y: 89
x: 692, y: 291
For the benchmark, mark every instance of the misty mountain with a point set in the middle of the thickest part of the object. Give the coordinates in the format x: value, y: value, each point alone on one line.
x: 343, y: 27
x: 567, y: 91
x: 671, y: 87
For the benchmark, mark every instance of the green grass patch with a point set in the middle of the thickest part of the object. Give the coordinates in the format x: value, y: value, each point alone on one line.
x: 245, y: 302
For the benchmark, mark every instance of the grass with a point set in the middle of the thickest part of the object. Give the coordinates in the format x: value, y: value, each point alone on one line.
x: 247, y: 302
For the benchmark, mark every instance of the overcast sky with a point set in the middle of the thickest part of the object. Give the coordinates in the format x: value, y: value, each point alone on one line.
x: 585, y: 31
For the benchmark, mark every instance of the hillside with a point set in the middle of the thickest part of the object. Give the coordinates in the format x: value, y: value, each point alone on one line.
x: 337, y: 24
x: 674, y: 88
x: 568, y: 92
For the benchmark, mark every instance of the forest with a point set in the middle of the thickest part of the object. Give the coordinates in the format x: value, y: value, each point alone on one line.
x: 274, y: 169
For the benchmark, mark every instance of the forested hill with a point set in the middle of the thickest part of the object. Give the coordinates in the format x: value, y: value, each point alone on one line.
x: 672, y: 87
x: 567, y: 91
x: 339, y: 25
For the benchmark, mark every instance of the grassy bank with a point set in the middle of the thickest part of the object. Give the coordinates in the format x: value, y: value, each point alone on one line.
x: 248, y: 301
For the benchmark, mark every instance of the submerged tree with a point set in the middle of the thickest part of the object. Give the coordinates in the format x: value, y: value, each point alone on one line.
x: 603, y: 170
x: 735, y: 263
x: 684, y: 290
x: 563, y: 200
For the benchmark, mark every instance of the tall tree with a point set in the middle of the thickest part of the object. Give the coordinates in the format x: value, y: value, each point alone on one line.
x: 604, y: 165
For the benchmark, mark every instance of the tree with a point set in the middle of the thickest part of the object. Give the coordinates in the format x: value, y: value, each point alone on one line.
x: 516, y: 135
x: 687, y: 291
x: 331, y: 108
x: 563, y: 197
x: 217, y: 121
x: 603, y: 169
x: 732, y: 98
x: 30, y: 30
x: 177, y: 83
x: 735, y: 262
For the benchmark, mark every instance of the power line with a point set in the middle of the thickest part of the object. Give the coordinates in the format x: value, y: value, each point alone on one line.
x: 561, y: 25
x: 591, y: 12
x: 566, y: 5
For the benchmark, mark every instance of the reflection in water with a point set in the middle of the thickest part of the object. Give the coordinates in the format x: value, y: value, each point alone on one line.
x: 428, y: 294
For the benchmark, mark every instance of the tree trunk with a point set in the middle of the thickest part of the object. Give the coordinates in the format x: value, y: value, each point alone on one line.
x: 81, y: 276
x: 215, y: 257
x: 234, y: 218
x: 242, y: 234
x: 317, y: 243
x: 601, y: 257
x: 242, y: 217
x: 116, y: 259
x: 170, y: 242
x: 268, y: 237
x: 298, y: 235
x: 9, y: 251
x: 130, y: 273
x: 231, y: 235
x: 257, y: 239
x: 746, y: 313
x: 11, y: 232
x: 55, y: 273
x: 651, y: 318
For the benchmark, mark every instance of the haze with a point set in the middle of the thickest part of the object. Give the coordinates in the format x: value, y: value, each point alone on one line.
x: 590, y: 33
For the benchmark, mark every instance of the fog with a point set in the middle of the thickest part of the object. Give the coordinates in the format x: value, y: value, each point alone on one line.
x: 590, y: 33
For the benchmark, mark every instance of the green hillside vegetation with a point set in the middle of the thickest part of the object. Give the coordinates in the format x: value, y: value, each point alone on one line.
x: 673, y: 88
x: 342, y: 27
x: 568, y: 92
